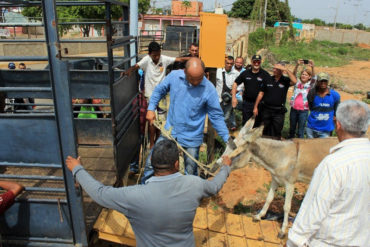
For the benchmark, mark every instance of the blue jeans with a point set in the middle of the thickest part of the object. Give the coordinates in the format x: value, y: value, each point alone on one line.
x: 299, y: 118
x: 190, y: 166
x: 228, y: 114
x: 134, y: 165
x: 311, y: 133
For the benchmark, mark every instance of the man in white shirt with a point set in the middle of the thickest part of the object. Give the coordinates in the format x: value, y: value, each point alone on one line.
x: 336, y: 208
x: 225, y: 78
x: 239, y: 66
x: 154, y: 66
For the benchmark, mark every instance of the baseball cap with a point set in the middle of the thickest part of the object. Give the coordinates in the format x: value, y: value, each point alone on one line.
x: 256, y: 57
x: 322, y: 76
x: 11, y: 65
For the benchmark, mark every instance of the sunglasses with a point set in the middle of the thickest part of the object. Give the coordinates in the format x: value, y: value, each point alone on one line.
x: 256, y: 61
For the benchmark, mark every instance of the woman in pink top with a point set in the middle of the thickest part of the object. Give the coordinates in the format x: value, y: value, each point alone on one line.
x: 298, y: 102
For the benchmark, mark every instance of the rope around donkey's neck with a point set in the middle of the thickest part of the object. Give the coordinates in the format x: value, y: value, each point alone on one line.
x: 167, y: 134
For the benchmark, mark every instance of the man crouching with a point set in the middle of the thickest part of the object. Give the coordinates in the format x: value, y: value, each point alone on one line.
x: 161, y: 211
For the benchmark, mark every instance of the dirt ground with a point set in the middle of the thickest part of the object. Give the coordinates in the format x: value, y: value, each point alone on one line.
x: 353, y: 77
x: 250, y: 184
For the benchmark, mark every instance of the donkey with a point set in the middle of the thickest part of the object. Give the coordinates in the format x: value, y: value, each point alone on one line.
x: 288, y: 161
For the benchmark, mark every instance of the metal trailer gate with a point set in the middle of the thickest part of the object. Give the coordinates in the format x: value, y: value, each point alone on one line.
x: 35, y: 143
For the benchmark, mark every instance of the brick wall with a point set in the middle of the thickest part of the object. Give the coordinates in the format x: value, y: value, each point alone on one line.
x: 178, y: 8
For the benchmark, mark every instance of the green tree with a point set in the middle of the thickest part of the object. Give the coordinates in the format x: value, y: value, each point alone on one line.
x: 253, y: 9
x: 360, y: 26
x: 78, y: 13
x: 242, y: 9
x: 276, y: 11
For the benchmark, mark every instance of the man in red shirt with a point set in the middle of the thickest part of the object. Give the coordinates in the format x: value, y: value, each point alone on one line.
x: 12, y: 191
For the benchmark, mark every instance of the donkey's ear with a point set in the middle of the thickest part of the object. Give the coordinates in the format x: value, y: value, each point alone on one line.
x: 247, y: 126
x: 256, y: 133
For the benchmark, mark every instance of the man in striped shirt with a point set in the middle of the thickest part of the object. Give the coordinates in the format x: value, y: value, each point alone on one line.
x: 336, y: 208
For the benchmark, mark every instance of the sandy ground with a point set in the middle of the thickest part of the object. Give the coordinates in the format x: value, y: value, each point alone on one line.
x: 353, y: 77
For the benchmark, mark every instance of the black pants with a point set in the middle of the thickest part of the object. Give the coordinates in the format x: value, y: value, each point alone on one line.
x: 248, y: 113
x: 273, y: 119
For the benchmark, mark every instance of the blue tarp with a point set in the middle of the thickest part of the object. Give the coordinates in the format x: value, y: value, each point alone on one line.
x: 296, y: 25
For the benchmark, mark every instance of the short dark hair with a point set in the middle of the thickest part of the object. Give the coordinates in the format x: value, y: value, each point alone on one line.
x: 154, y: 46
x: 165, y: 154
x: 194, y: 44
x: 22, y: 64
x: 230, y: 58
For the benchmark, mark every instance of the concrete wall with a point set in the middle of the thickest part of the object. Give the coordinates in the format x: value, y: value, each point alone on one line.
x: 39, y: 49
x: 237, y: 36
x: 342, y: 35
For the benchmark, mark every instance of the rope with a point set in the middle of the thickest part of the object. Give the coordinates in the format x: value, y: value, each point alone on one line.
x: 168, y: 135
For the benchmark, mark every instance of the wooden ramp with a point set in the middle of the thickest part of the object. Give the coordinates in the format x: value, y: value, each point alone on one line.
x: 212, y: 228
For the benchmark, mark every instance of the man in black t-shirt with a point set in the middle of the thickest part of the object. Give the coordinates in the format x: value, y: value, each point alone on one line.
x: 273, y: 95
x: 252, y: 79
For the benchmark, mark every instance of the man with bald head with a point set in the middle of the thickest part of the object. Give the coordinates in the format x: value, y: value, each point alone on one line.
x: 192, y: 96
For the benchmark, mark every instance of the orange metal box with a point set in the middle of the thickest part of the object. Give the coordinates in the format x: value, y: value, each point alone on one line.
x: 212, y: 41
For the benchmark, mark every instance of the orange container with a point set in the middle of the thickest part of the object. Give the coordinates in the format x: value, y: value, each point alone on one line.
x: 212, y: 40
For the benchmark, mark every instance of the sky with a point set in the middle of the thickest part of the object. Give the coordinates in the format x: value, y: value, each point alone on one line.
x: 349, y: 11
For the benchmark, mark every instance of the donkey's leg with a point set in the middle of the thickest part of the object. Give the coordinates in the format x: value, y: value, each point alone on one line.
x: 289, y: 189
x: 270, y: 197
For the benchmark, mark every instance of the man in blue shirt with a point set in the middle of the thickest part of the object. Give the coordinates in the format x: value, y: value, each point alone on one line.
x: 192, y: 96
x: 323, y: 103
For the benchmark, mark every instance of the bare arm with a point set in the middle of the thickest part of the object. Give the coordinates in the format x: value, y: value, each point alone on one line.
x: 258, y: 100
x: 131, y: 69
x: 14, y: 187
x: 233, y: 93
x: 299, y: 62
x: 292, y: 77
x: 182, y: 59
x: 312, y: 65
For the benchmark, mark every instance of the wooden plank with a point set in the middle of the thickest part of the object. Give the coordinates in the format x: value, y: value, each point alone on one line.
x: 115, y: 223
x: 200, y: 220
x: 269, y: 231
x: 252, y: 229
x: 117, y: 239
x: 100, y: 221
x: 217, y: 239
x: 236, y: 241
x: 268, y: 244
x: 255, y: 243
x: 201, y: 237
x: 234, y: 225
x: 216, y: 220
x: 129, y: 231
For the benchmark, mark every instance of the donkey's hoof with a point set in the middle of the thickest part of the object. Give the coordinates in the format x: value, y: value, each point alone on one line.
x: 256, y: 218
x: 281, y: 235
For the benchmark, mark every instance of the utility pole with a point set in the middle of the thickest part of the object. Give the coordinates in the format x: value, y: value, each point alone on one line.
x: 336, y: 13
x: 264, y: 16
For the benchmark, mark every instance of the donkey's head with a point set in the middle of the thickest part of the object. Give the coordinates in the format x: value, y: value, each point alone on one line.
x: 246, y: 136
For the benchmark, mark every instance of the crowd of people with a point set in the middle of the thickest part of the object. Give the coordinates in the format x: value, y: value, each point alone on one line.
x: 161, y: 210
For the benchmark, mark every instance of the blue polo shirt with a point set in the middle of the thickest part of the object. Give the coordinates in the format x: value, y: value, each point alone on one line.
x: 188, y: 108
x: 322, y: 112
